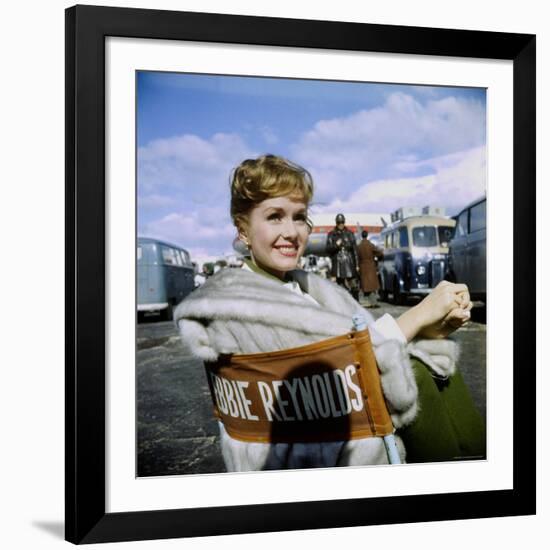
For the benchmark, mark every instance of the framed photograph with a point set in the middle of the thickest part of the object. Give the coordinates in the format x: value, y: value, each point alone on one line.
x: 393, y: 124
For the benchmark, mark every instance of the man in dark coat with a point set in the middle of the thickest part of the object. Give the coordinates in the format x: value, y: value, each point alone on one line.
x: 342, y: 249
x: 367, y: 252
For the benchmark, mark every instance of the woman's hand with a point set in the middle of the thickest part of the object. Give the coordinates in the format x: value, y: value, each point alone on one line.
x: 444, y: 310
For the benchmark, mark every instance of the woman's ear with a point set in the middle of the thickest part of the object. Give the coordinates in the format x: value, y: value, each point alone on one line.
x: 243, y: 235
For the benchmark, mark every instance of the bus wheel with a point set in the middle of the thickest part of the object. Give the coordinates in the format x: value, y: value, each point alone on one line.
x: 168, y: 313
x: 398, y: 298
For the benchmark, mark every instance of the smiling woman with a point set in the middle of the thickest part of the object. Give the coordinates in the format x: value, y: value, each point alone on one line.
x: 269, y: 201
x: 270, y: 306
x: 276, y: 234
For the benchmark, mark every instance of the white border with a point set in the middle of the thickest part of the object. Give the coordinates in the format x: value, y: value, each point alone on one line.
x: 124, y: 491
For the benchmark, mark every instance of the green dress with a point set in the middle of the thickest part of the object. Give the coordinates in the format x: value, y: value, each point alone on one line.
x: 448, y: 425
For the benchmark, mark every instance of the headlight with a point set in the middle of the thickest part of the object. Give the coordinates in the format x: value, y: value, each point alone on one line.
x: 420, y: 269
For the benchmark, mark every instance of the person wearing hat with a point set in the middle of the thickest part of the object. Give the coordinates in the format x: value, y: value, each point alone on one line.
x: 367, y: 252
x: 342, y: 249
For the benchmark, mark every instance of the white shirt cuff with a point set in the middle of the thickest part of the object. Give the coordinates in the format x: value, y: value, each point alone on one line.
x: 386, y: 328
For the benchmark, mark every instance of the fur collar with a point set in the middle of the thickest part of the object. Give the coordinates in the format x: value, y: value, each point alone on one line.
x: 239, y: 311
x: 238, y: 294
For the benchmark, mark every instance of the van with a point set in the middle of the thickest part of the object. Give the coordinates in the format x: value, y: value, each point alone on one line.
x: 468, y: 249
x: 165, y: 276
x: 415, y: 256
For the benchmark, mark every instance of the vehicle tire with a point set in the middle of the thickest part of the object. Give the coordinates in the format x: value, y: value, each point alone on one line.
x: 397, y: 298
x: 168, y: 313
x: 383, y: 294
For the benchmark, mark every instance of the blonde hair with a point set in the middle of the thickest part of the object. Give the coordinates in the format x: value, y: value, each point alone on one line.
x: 266, y: 177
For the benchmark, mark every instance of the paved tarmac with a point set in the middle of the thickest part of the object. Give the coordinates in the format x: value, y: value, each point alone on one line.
x: 177, y: 433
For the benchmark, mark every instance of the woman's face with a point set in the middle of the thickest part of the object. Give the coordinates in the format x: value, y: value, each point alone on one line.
x: 277, y: 234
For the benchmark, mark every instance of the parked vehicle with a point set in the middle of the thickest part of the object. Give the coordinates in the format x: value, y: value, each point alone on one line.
x: 165, y: 276
x: 468, y: 250
x: 415, y: 255
x: 375, y: 239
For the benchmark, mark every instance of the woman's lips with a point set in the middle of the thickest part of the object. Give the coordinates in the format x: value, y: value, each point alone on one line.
x: 289, y: 251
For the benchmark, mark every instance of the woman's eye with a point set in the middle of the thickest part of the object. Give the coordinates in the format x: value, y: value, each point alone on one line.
x: 277, y: 216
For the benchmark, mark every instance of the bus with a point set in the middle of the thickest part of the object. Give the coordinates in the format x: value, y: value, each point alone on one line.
x: 468, y: 250
x: 165, y: 276
x: 415, y: 256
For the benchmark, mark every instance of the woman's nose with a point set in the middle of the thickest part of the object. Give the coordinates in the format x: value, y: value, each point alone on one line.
x: 289, y: 229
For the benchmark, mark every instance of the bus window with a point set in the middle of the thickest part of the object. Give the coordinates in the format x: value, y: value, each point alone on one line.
x: 462, y: 224
x: 477, y: 216
x: 146, y: 253
x: 424, y: 236
x: 185, y: 257
x: 445, y: 234
x: 168, y: 256
x: 403, y: 237
x: 179, y: 259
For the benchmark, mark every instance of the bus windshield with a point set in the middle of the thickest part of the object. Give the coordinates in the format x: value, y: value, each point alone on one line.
x: 424, y: 236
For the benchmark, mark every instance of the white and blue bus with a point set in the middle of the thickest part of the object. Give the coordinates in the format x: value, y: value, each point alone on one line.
x: 415, y: 259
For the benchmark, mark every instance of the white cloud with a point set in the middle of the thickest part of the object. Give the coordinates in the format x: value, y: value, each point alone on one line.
x: 153, y: 202
x: 210, y: 229
x: 406, y: 152
x: 381, y: 143
x: 426, y: 91
x: 458, y: 179
x: 190, y: 165
x: 190, y: 176
x: 269, y: 135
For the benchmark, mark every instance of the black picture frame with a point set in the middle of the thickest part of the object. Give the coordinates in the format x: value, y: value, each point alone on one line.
x: 86, y: 30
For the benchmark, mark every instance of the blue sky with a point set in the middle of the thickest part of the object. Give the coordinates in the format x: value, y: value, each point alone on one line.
x: 370, y: 147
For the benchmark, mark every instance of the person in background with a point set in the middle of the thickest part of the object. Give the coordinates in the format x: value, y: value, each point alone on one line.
x: 367, y: 254
x: 342, y: 250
